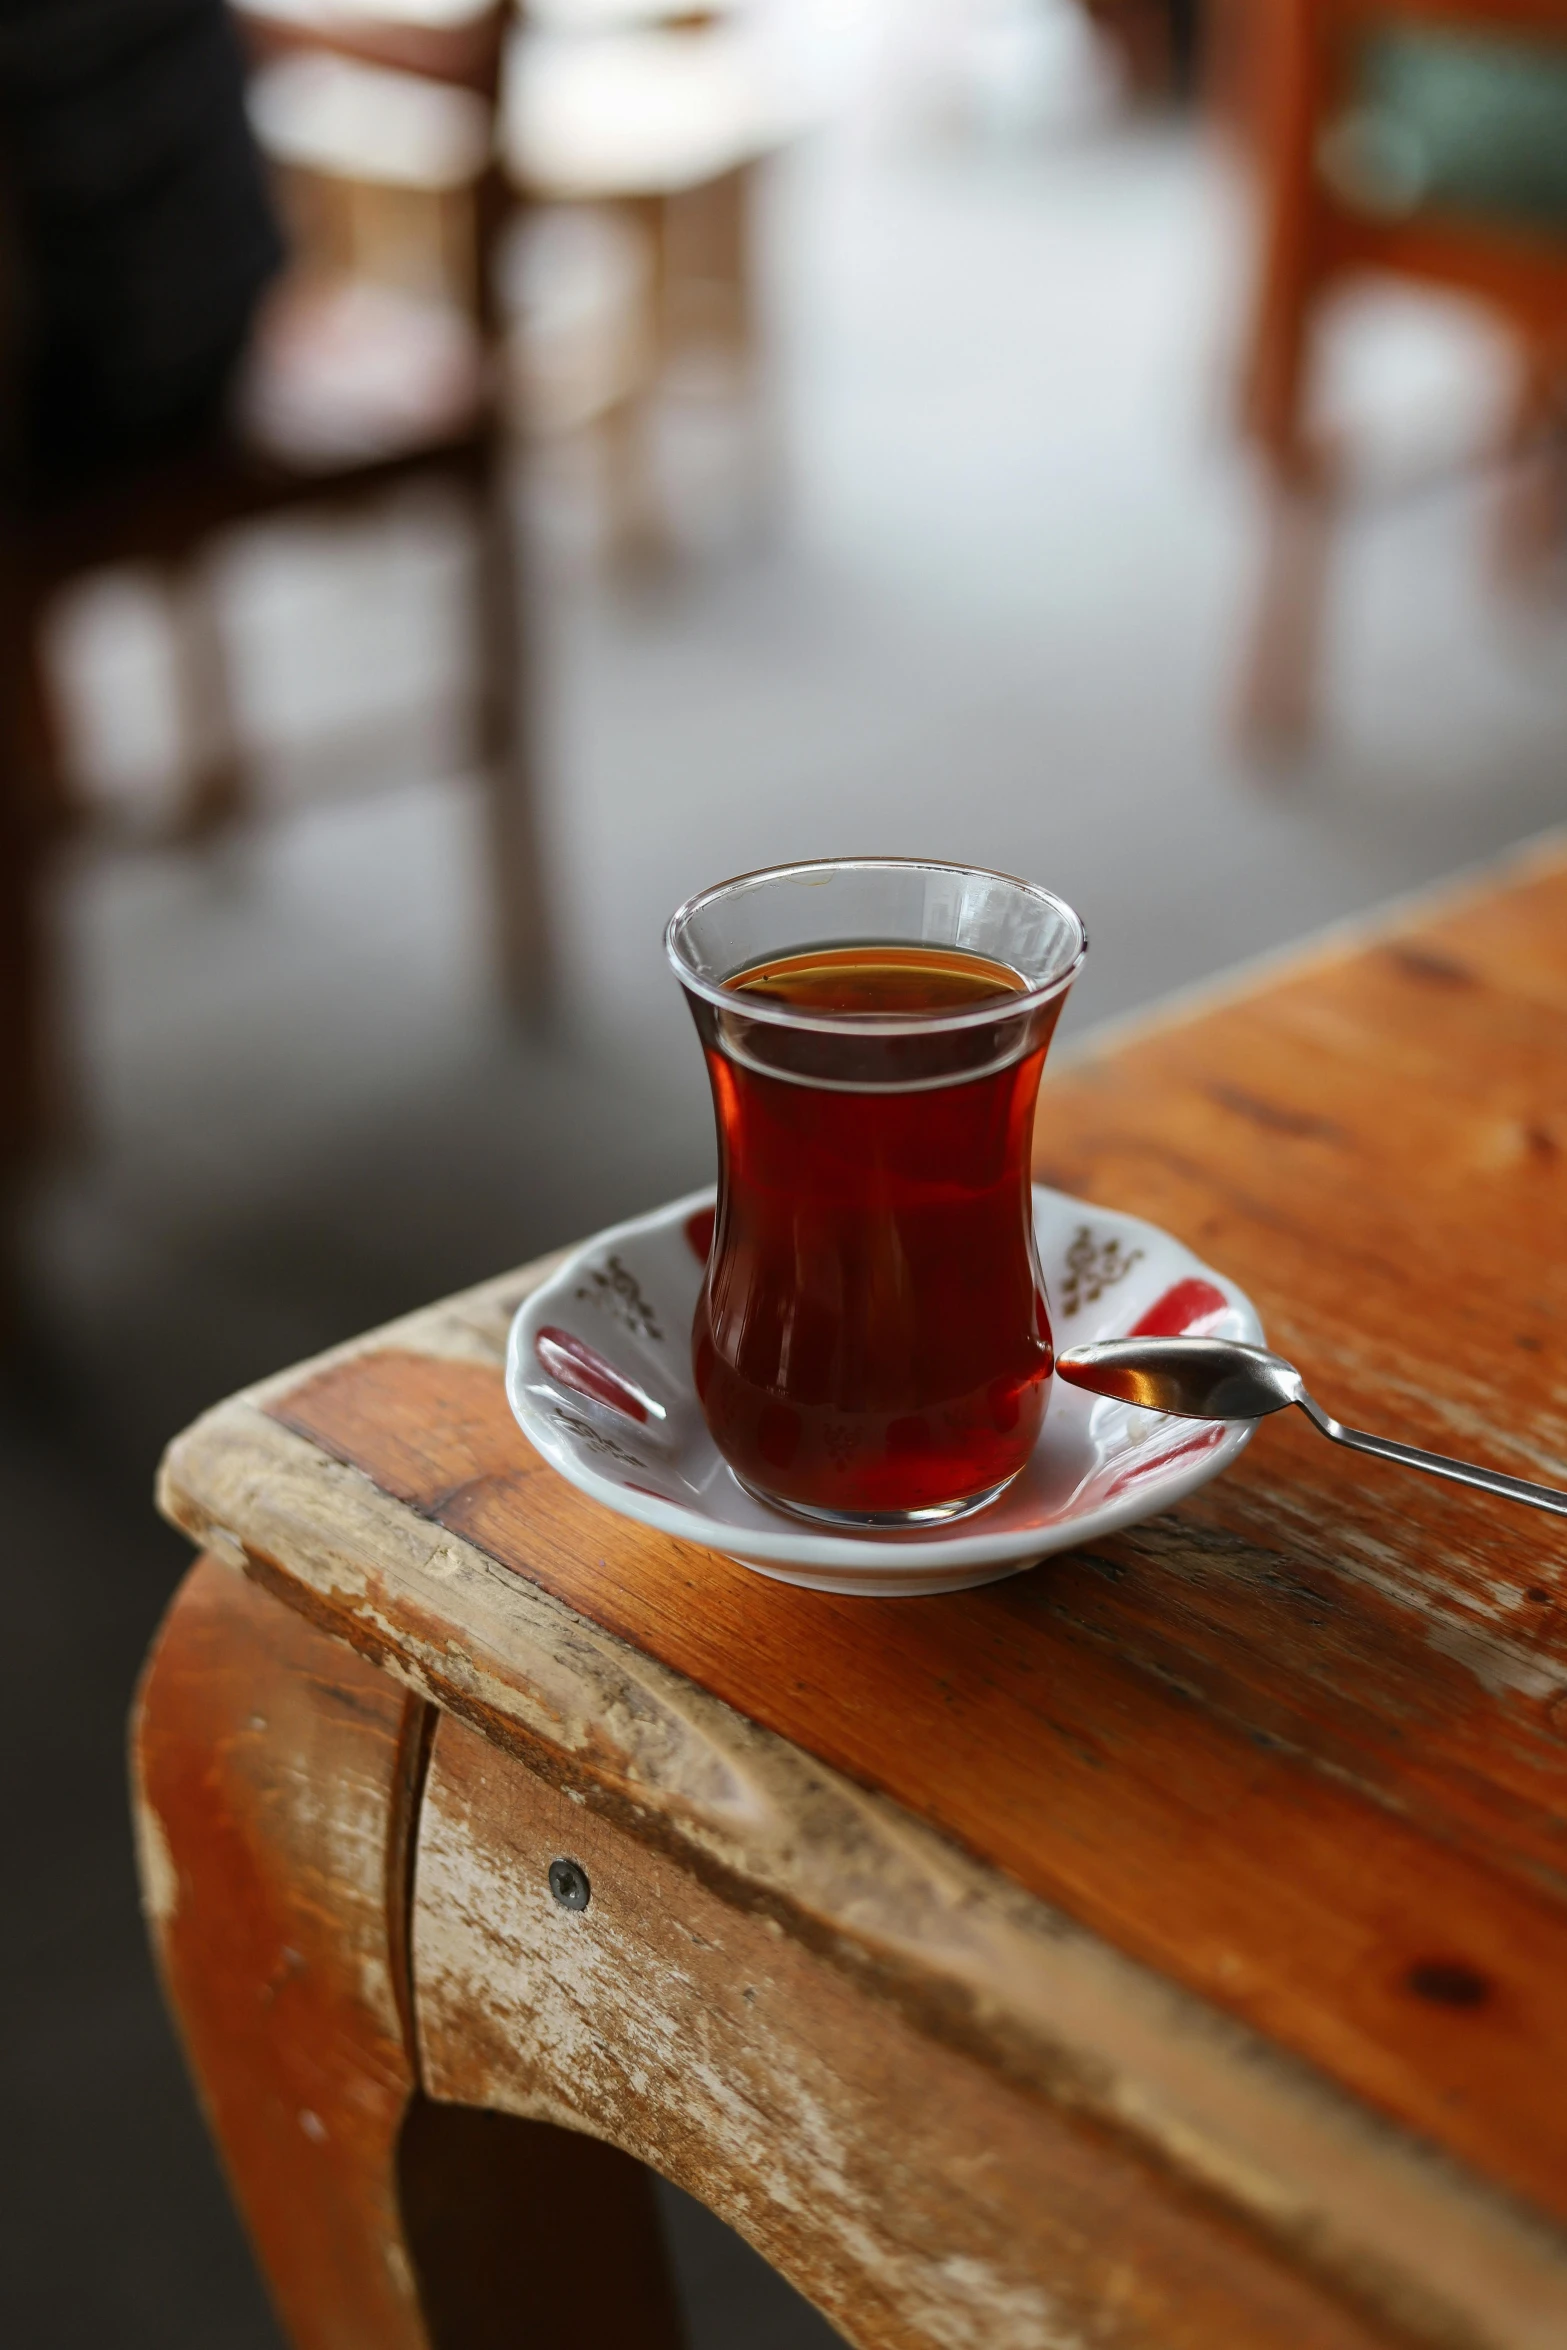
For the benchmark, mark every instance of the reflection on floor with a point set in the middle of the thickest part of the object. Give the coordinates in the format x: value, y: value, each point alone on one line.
x: 992, y: 613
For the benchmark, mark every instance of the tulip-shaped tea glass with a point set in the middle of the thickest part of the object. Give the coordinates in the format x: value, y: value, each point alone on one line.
x: 872, y: 1345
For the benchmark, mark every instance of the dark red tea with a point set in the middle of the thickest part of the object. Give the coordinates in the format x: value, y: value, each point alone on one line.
x: 872, y: 1336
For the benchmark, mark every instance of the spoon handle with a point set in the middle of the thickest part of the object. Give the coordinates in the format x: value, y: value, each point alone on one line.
x: 1436, y: 1464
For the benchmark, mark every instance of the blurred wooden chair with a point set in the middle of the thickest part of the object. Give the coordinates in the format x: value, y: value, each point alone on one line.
x: 378, y: 118
x: 663, y: 116
x: 453, y: 41
x: 352, y: 384
x: 1417, y: 139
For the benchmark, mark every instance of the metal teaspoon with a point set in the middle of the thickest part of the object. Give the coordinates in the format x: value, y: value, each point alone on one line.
x: 1219, y: 1379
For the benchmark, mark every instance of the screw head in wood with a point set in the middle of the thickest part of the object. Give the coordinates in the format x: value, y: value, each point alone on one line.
x: 569, y: 1884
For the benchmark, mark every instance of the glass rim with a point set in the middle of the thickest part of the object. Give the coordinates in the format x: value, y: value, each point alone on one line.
x: 1012, y: 1006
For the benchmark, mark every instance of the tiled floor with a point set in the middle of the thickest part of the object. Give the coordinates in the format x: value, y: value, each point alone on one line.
x: 993, y: 613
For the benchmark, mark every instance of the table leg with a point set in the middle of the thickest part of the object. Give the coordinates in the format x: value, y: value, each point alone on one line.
x: 277, y: 1784
x: 275, y: 1778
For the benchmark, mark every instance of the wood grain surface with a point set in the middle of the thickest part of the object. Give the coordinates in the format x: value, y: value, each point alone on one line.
x: 1294, y: 1752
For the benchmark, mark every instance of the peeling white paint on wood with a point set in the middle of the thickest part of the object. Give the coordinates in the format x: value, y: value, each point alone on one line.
x: 155, y: 1869
x: 582, y: 2015
x: 1458, y: 1615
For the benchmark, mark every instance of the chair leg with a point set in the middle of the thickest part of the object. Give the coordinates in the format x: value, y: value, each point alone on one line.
x: 639, y: 526
x: 1277, y: 711
x: 217, y: 795
x: 509, y: 731
x: 1286, y: 68
x: 30, y: 1089
x: 1529, y: 523
x: 23, y: 1019
x: 769, y: 452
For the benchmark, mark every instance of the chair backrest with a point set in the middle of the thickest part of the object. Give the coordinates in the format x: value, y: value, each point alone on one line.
x: 387, y: 95
x: 1505, y: 61
x: 1421, y: 138
x: 458, y: 41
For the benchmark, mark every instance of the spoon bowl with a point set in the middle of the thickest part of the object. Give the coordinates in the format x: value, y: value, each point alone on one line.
x: 1220, y: 1379
x: 1195, y: 1378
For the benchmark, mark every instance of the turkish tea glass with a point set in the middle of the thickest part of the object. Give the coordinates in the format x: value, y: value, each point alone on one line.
x: 872, y: 1343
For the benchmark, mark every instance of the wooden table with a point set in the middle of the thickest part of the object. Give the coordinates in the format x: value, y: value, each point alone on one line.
x: 1166, y: 1947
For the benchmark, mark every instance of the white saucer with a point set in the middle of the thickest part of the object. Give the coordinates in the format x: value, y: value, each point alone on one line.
x: 598, y: 1373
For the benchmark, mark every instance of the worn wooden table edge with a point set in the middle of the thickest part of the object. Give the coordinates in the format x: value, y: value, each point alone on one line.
x: 1403, y: 2227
